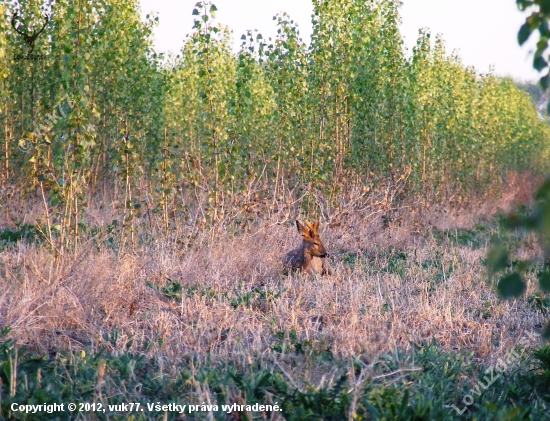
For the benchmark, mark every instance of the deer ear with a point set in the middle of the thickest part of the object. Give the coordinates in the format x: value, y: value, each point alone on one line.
x: 316, y: 226
x: 306, y: 233
x: 310, y: 230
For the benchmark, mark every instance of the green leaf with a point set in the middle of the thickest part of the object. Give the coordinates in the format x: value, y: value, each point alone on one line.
x: 24, y: 143
x: 524, y: 33
x: 539, y: 63
x: 523, y: 4
x: 511, y: 286
x: 545, y: 7
x: 544, y: 81
x: 497, y: 259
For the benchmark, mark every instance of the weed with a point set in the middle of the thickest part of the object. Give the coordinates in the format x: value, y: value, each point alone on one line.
x: 540, y: 302
x: 28, y: 232
x: 472, y: 238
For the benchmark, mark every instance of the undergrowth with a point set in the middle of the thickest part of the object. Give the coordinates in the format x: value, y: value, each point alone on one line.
x: 308, y: 368
x: 418, y: 385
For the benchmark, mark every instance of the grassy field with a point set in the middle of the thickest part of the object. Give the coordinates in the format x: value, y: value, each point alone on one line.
x: 146, y: 203
x: 404, y: 329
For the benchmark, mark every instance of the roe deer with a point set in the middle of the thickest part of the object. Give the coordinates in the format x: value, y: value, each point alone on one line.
x: 309, y: 257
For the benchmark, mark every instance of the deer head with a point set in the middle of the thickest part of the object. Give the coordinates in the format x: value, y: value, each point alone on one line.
x: 29, y: 37
x: 312, y: 243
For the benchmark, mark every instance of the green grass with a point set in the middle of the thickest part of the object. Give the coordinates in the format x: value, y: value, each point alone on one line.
x: 238, y: 297
x: 10, y: 237
x: 473, y: 238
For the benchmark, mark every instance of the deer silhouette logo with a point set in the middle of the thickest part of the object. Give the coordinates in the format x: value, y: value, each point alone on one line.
x: 28, y: 37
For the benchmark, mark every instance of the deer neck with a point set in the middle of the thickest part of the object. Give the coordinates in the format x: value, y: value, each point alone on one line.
x: 307, y: 256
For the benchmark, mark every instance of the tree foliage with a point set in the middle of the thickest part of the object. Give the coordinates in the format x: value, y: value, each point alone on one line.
x: 191, y: 135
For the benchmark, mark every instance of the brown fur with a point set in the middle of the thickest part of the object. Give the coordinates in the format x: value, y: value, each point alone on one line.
x: 310, y: 256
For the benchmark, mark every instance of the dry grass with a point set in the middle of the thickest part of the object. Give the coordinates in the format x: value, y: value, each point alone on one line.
x: 392, y: 287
